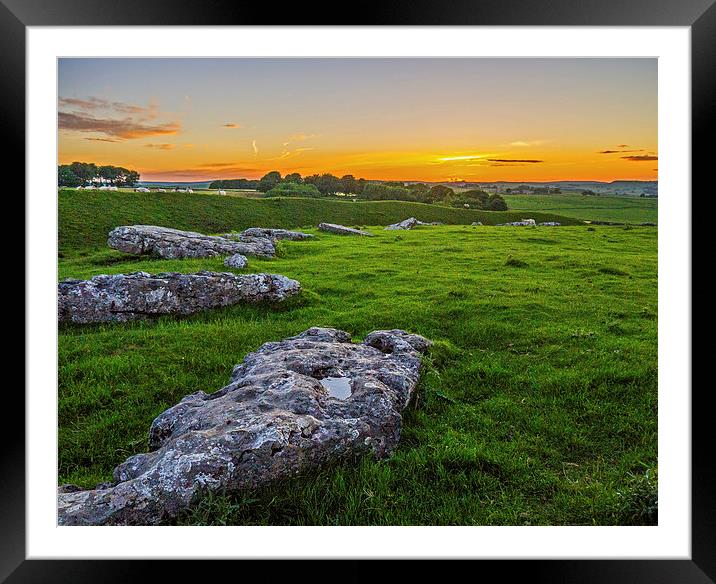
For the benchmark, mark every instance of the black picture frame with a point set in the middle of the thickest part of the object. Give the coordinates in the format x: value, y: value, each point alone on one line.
x: 700, y: 15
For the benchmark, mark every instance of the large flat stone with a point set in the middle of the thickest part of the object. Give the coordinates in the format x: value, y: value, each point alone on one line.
x: 292, y: 405
x: 276, y: 234
x: 168, y: 243
x: 123, y: 297
x: 405, y: 224
x: 342, y: 229
x: 254, y: 246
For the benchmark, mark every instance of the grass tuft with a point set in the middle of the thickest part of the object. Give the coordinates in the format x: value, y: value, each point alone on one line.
x: 515, y: 262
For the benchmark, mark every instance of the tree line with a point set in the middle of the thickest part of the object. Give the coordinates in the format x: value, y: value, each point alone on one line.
x: 80, y: 174
x: 272, y: 184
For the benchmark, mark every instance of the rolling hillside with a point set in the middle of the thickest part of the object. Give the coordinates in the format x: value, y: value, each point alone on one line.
x: 85, y: 218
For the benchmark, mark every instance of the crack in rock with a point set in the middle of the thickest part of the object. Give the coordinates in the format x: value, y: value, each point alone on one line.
x: 274, y: 420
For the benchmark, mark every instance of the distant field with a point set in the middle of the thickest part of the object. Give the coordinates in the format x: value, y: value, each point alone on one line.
x: 85, y: 218
x: 537, y: 406
x: 616, y: 209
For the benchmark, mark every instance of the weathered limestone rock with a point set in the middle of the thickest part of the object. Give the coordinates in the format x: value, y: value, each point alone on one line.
x: 262, y: 247
x: 167, y: 243
x: 276, y: 234
x: 124, y: 297
x: 278, y: 416
x: 236, y: 261
x: 550, y: 223
x: 476, y: 223
x: 408, y: 223
x: 342, y: 230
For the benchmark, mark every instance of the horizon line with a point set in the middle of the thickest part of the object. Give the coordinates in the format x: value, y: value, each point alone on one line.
x: 430, y: 181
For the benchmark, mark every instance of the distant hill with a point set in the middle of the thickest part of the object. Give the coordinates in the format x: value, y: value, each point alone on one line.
x: 628, y: 188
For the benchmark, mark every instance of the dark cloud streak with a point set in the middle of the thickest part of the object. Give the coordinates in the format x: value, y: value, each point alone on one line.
x: 150, y: 111
x: 102, y: 140
x: 125, y: 128
x: 508, y: 160
x: 619, y: 151
x: 642, y: 158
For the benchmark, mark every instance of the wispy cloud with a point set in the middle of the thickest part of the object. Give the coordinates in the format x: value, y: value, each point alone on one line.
x: 255, y: 147
x: 160, y: 146
x: 149, y: 111
x: 205, y: 171
x: 231, y: 125
x: 515, y: 160
x: 506, y: 164
x: 525, y: 143
x: 116, y: 119
x: 102, y: 140
x: 642, y: 158
x: 126, y: 128
x: 300, y: 137
x: 465, y: 157
x: 218, y: 164
x: 291, y: 153
x: 619, y: 151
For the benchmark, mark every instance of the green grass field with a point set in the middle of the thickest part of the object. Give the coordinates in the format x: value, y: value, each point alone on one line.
x: 538, y: 403
x: 613, y: 209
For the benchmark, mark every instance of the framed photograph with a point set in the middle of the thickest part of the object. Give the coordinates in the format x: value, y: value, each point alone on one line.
x: 416, y: 286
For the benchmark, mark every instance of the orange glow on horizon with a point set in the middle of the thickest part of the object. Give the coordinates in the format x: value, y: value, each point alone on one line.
x: 169, y: 162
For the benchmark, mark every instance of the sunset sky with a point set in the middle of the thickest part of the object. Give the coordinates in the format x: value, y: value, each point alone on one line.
x: 394, y: 119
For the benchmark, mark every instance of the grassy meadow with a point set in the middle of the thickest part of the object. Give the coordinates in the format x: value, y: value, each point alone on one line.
x: 538, y: 401
x: 577, y: 206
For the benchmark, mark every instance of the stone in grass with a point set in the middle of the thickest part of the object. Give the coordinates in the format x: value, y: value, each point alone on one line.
x: 262, y: 247
x: 476, y: 223
x: 342, y: 229
x: 405, y: 224
x: 168, y: 243
x: 276, y: 234
x: 523, y: 223
x: 550, y: 223
x: 123, y: 297
x: 237, y: 261
x: 293, y: 405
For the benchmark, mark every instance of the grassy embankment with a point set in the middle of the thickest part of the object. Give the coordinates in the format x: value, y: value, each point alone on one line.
x: 538, y: 404
x: 614, y: 209
x: 85, y: 218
